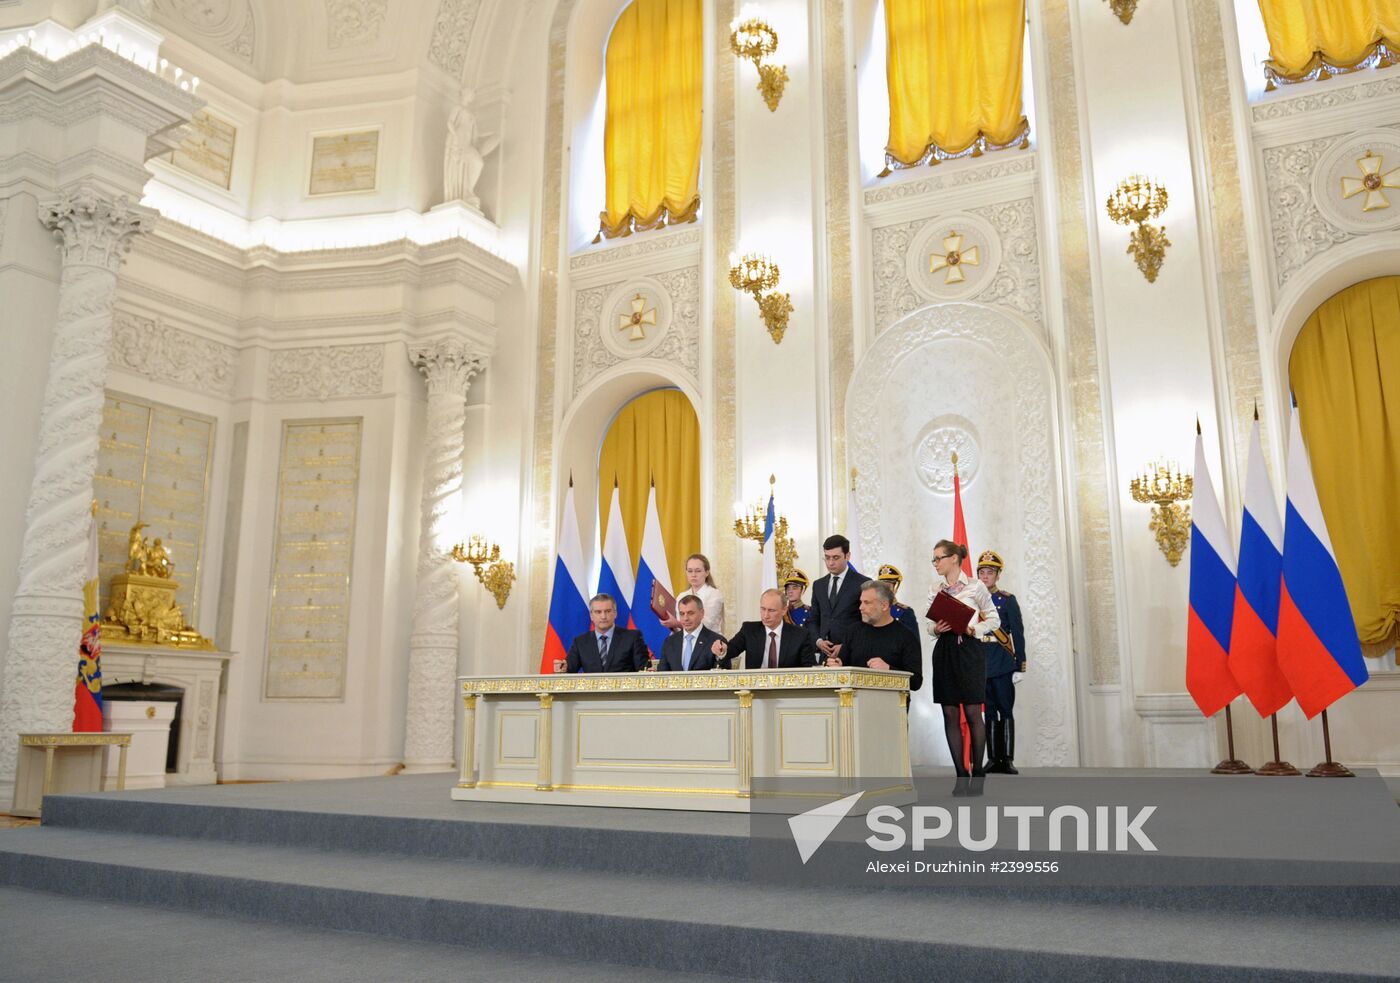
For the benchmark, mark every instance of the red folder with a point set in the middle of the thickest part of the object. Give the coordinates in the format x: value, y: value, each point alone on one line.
x: 662, y: 603
x: 946, y: 607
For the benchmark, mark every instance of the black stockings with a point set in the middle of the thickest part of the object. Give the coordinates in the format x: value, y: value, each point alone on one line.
x: 953, y: 714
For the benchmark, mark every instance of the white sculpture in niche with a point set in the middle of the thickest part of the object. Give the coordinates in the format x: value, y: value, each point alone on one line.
x: 464, y: 157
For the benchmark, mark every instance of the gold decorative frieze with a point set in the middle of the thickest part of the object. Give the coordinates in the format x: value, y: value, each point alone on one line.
x: 344, y: 163
x: 313, y: 546
x: 717, y: 681
x: 153, y: 468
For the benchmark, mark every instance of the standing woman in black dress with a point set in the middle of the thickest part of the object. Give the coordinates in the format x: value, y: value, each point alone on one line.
x: 959, y: 666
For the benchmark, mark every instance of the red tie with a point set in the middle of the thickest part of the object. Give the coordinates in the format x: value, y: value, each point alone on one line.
x: 772, y: 650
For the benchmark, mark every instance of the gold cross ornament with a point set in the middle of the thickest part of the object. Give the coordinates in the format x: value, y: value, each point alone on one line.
x: 1372, y: 182
x: 954, y: 258
x: 636, y: 321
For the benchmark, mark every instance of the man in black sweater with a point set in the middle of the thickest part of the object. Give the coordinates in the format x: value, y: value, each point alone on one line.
x: 880, y: 642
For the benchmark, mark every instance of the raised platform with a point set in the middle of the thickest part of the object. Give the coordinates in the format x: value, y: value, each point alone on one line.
x: 676, y: 891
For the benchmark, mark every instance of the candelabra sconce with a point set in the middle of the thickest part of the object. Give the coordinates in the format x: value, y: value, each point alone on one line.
x: 1164, y: 487
x: 1134, y: 202
x: 1123, y: 9
x: 752, y: 37
x: 753, y: 275
x: 752, y: 522
x: 499, y: 575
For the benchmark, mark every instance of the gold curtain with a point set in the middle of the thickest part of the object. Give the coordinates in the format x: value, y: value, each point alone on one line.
x: 954, y: 75
x: 1345, y: 373
x: 656, y: 434
x: 651, y: 140
x: 1311, y: 39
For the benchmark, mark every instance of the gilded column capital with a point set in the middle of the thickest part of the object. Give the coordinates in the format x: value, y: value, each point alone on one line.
x: 94, y: 229
x: 448, y: 365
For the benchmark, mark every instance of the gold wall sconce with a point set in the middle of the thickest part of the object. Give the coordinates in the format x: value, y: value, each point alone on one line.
x: 754, y: 274
x: 1164, y: 487
x: 752, y: 37
x: 1136, y: 200
x: 1123, y: 9
x: 499, y: 575
x: 750, y: 524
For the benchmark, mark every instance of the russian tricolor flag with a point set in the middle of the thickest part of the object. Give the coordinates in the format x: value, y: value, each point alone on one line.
x: 1212, y: 597
x: 616, y: 577
x: 770, y: 546
x: 1253, y: 635
x: 653, y: 580
x: 568, y: 605
x: 1318, y: 648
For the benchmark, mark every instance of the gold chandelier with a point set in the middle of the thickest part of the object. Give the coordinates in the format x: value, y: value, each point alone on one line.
x: 752, y: 37
x: 1135, y: 201
x: 753, y: 275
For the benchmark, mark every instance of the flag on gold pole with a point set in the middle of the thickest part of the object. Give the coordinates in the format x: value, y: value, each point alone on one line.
x: 87, y: 690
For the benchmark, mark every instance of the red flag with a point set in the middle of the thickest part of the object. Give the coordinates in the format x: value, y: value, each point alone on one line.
x: 960, y: 537
x: 959, y: 525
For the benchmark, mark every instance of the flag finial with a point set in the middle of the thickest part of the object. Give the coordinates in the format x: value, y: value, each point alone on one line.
x: 1198, y: 424
x: 772, y: 479
x: 571, y: 477
x: 1256, y: 411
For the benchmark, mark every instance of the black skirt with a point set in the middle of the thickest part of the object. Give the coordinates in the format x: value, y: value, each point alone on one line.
x: 959, y: 670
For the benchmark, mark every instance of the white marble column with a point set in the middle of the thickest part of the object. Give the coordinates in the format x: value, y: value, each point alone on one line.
x: 94, y: 232
x: 432, y: 658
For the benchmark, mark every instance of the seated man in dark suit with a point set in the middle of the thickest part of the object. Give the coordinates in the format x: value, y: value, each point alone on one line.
x: 765, y: 644
x: 607, y: 648
x: 691, y: 648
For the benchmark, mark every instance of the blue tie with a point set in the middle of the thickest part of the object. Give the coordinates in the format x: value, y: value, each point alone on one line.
x: 685, y: 658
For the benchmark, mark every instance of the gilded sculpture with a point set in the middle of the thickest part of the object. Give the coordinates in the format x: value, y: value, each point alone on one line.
x: 142, y: 607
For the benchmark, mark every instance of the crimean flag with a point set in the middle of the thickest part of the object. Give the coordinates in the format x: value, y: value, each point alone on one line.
x: 653, y: 580
x: 568, y: 605
x: 617, y: 578
x: 1318, y: 648
x: 1254, y: 631
x: 959, y: 524
x: 1211, y: 597
x: 87, y: 693
x: 770, y: 546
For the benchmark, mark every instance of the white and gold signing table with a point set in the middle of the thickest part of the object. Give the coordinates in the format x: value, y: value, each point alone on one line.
x: 680, y: 740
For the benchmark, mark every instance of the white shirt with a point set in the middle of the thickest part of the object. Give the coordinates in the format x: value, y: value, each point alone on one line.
x: 975, y: 595
x: 714, y: 606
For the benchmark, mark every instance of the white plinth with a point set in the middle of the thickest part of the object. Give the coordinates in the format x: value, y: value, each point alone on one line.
x: 149, y: 727
x: 682, y: 740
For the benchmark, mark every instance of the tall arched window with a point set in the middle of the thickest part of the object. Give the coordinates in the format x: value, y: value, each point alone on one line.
x: 1345, y: 374
x: 954, y: 75
x: 652, y: 131
x: 1311, y: 39
x: 655, y: 437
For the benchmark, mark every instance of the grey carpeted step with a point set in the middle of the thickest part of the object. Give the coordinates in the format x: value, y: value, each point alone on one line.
x: 688, y: 925
x: 412, y: 816
x: 126, y: 943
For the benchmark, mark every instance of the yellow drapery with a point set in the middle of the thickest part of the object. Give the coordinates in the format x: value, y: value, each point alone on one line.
x: 651, y: 140
x: 656, y: 434
x: 1345, y: 373
x: 1311, y: 39
x: 954, y: 75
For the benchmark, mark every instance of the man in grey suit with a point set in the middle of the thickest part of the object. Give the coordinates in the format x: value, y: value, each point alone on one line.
x: 835, y: 598
x: 692, y: 648
x: 607, y: 648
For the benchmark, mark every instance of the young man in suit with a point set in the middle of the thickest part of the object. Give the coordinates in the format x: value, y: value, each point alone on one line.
x: 607, y: 648
x: 764, y: 643
x: 692, y: 648
x: 835, y: 597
